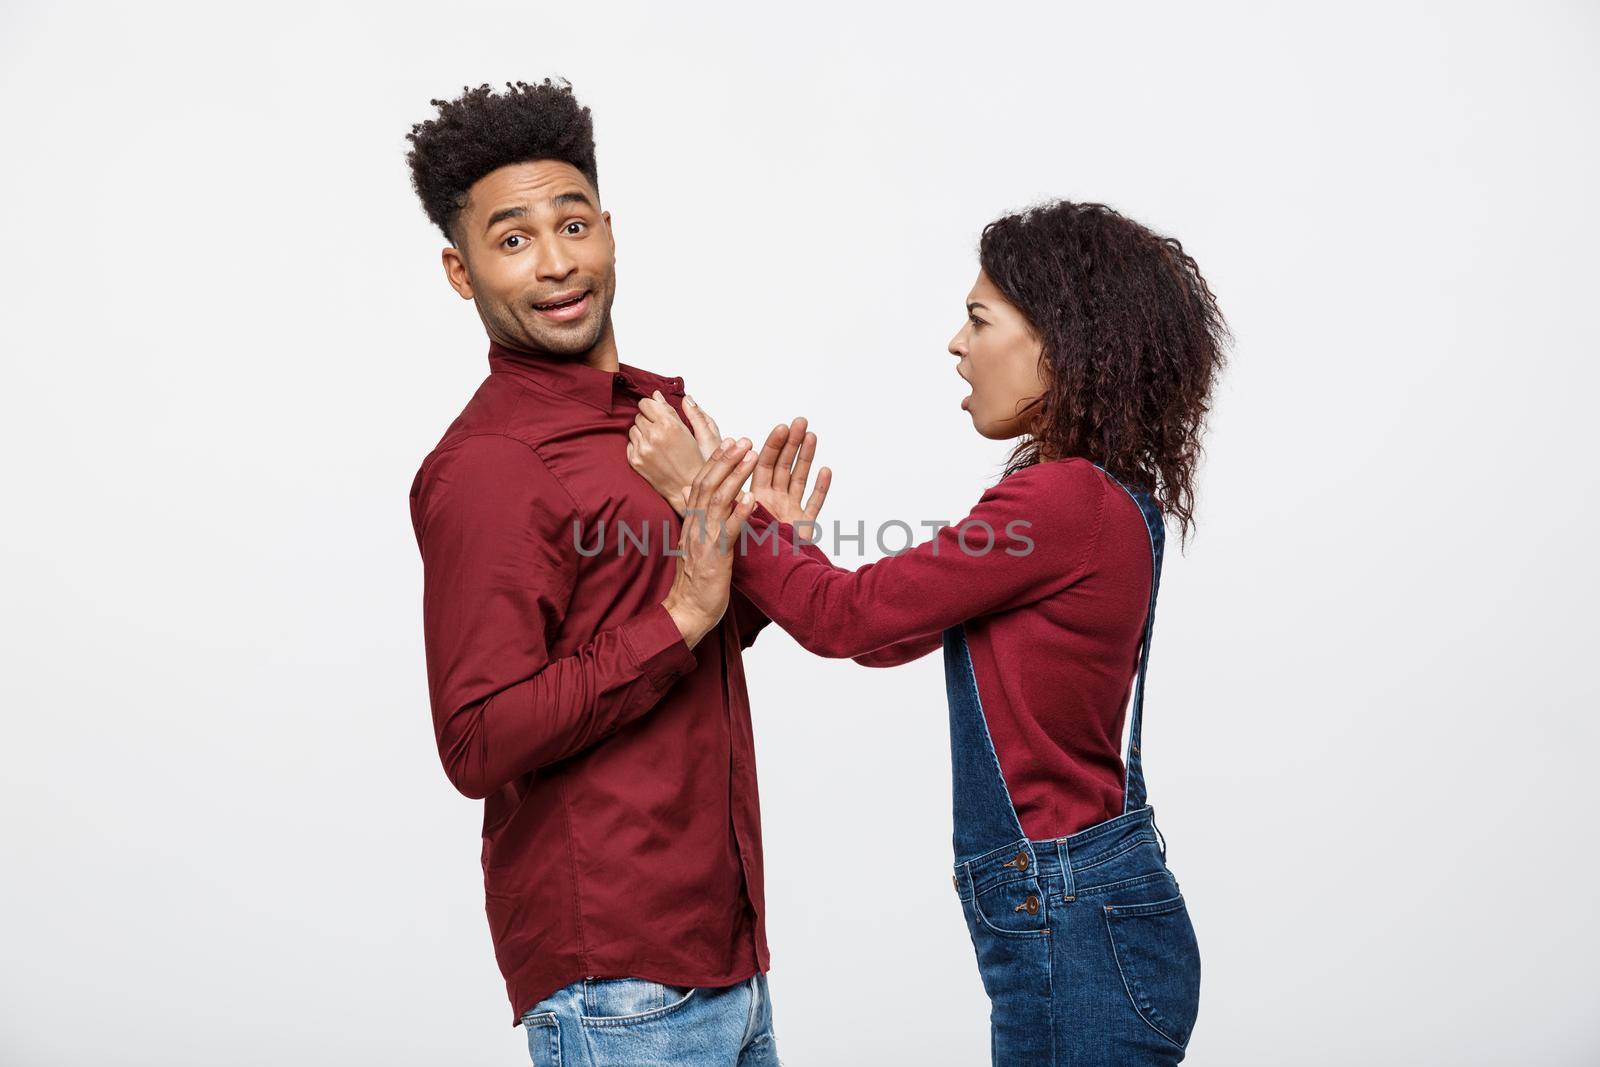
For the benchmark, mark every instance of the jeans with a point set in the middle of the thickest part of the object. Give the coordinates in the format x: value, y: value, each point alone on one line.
x: 1085, y: 947
x: 632, y: 1022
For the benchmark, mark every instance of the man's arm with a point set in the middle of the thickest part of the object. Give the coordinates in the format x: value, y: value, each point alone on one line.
x: 495, y: 530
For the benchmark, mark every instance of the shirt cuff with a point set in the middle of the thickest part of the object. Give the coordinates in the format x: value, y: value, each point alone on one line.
x: 657, y: 646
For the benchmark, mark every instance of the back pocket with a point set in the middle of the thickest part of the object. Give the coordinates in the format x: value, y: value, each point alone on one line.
x: 1156, y: 951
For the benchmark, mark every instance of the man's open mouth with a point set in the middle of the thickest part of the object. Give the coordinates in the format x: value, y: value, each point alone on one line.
x: 565, y: 306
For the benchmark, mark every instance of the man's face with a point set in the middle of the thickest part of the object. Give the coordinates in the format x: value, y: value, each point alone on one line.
x: 534, y: 250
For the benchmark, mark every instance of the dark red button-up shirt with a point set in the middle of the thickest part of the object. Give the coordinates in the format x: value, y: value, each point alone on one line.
x: 621, y: 828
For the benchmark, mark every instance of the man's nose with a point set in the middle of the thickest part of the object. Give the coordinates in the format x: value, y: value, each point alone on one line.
x: 555, y: 261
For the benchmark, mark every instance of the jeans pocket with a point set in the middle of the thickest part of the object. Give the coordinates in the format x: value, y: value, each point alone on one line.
x: 1016, y: 909
x: 1159, y: 959
x: 630, y: 1001
x: 544, y: 1038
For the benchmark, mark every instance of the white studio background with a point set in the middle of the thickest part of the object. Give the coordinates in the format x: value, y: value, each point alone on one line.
x: 228, y: 343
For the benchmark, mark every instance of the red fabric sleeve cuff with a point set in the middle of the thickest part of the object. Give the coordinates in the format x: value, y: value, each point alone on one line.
x: 657, y: 646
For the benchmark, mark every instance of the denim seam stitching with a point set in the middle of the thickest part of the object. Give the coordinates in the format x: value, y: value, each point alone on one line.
x: 1107, y: 857
x: 1126, y: 883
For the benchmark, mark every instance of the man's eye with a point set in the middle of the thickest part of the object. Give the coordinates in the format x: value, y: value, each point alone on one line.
x: 573, y: 223
x: 513, y: 237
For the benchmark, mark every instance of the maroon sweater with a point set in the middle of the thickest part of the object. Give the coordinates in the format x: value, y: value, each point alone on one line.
x: 1053, y: 611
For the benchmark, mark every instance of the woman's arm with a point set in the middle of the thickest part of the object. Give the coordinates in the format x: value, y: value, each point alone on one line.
x: 890, y: 655
x: 1029, y: 536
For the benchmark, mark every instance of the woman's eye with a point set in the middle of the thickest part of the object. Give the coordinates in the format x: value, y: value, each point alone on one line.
x: 974, y: 320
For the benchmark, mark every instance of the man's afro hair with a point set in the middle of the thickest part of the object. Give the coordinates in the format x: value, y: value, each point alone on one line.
x: 481, y: 130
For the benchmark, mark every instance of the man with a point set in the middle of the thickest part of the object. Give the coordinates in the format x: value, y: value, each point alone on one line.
x: 586, y: 681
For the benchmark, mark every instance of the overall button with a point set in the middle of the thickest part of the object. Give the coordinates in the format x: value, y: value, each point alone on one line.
x: 1021, y: 861
x: 1031, y: 905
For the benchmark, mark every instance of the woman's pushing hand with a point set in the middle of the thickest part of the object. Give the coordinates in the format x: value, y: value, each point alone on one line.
x: 781, y: 472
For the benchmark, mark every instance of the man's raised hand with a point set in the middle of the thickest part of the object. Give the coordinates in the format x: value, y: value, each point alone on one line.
x: 713, y: 520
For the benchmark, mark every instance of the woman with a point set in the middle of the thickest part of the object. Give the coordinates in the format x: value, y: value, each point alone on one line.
x: 1096, y: 342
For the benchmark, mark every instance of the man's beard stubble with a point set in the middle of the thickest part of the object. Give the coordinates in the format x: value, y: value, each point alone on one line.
x: 524, y: 327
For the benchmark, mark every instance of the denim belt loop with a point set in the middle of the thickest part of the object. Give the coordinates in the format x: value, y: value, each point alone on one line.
x: 1067, y: 889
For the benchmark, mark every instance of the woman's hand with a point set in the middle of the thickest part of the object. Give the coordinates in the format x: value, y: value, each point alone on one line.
x: 781, y: 473
x: 665, y: 451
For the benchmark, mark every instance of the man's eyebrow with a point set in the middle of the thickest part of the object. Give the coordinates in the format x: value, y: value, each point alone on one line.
x: 519, y: 212
x: 503, y: 214
x: 571, y: 198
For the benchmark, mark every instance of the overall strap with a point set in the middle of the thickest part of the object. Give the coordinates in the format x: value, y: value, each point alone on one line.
x: 1133, y: 787
x: 984, y: 816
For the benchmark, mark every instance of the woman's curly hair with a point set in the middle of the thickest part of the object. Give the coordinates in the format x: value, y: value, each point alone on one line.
x: 1132, y: 342
x: 481, y: 131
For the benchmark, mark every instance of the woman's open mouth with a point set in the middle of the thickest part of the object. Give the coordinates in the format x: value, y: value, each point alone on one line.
x: 565, y: 310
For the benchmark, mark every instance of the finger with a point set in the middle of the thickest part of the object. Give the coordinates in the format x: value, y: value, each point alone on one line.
x: 726, y: 491
x: 819, y: 493
x: 714, y: 470
x: 767, y: 461
x: 780, y: 477
x: 635, y: 435
x: 802, y: 467
x: 706, y: 434
x: 741, y: 514
x: 655, y: 409
x: 719, y: 486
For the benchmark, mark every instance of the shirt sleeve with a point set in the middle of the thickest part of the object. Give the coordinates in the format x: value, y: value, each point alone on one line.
x: 494, y: 528
x: 747, y: 616
x: 1028, y: 537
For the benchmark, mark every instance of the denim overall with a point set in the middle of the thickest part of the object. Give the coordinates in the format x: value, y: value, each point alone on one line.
x: 1084, y: 942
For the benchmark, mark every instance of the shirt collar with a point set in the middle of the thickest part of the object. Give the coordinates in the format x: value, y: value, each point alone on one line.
x: 597, y: 388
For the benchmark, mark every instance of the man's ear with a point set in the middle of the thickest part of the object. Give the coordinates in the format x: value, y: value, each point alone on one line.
x: 455, y: 271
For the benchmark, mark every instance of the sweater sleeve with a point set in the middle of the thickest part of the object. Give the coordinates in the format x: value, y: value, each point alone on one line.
x: 1026, y: 538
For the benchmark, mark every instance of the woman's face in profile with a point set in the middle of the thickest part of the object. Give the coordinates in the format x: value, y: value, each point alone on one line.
x: 1000, y: 358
